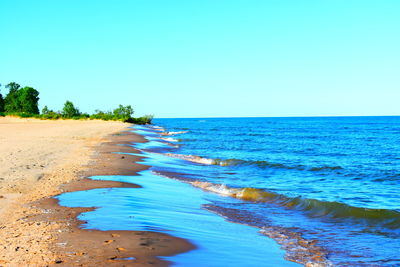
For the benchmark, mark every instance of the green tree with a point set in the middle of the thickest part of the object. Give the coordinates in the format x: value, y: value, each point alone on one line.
x: 28, y: 99
x: 46, y: 110
x: 21, y: 99
x: 69, y: 110
x: 146, y: 119
x: 12, y: 101
x: 13, y: 86
x: 123, y: 112
x: 1, y: 102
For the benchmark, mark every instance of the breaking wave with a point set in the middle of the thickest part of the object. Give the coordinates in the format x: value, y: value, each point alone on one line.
x: 173, y: 133
x: 312, y: 207
x: 257, y: 163
x: 157, y: 128
x: 195, y: 159
x: 169, y: 139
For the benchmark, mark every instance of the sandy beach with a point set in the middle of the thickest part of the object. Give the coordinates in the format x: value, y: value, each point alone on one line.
x: 33, y: 149
x: 40, y: 159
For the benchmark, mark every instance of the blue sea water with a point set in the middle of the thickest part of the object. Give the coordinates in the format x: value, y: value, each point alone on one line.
x: 325, y: 190
x: 172, y: 207
x: 331, y: 180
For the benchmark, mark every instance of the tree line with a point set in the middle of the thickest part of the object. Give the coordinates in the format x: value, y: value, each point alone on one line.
x: 24, y: 102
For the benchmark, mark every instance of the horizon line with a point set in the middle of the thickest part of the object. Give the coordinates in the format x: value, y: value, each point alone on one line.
x: 316, y: 116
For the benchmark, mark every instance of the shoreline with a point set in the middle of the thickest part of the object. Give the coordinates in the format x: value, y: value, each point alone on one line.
x: 35, y: 230
x: 116, y: 247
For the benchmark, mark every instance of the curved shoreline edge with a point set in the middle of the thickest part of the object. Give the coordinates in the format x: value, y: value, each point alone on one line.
x: 93, y: 247
x: 61, y: 241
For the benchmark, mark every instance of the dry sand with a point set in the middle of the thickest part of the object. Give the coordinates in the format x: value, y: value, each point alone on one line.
x: 40, y: 159
x: 30, y: 149
x: 35, y: 157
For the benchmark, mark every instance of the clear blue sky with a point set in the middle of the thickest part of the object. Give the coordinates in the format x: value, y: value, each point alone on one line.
x: 207, y: 58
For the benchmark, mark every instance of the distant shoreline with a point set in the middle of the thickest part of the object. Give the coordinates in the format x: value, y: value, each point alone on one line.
x: 280, y: 117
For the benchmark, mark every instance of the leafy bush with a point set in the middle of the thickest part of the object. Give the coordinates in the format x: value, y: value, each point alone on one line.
x: 51, y: 116
x: 23, y: 102
x: 46, y: 110
x: 146, y: 119
x: 21, y: 99
x: 101, y: 115
x: 69, y: 110
x: 123, y: 112
x: 98, y: 116
x: 11, y: 101
x: 29, y: 98
x: 1, y: 103
x: 20, y: 114
x: 25, y: 115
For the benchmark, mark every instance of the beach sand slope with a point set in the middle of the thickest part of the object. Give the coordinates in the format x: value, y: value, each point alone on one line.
x: 36, y: 156
x: 41, y: 159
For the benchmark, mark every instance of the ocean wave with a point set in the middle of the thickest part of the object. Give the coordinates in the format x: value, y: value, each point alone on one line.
x: 314, y: 169
x: 173, y: 133
x: 195, y: 159
x: 169, y: 139
x: 158, y: 128
x: 267, y: 164
x: 257, y: 163
x: 312, y: 207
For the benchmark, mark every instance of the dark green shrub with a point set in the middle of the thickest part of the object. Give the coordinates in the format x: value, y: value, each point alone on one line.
x: 46, y: 110
x: 21, y: 114
x: 23, y: 103
x: 69, y: 110
x: 21, y: 99
x: 29, y: 98
x: 146, y: 119
x: 1, y: 103
x: 51, y: 116
x: 123, y: 112
x: 11, y: 101
x: 101, y: 115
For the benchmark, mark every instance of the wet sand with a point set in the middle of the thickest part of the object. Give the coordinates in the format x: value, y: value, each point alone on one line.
x: 35, y: 230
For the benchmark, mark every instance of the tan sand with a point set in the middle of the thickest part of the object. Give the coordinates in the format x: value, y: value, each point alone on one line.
x: 40, y: 159
x: 35, y: 157
x: 30, y: 149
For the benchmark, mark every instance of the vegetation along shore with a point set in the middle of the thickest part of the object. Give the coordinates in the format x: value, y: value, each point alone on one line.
x: 24, y: 102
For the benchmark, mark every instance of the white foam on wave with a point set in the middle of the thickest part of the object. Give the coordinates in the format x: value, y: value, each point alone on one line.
x: 174, y: 133
x: 298, y: 249
x: 169, y: 139
x: 219, y: 189
x: 198, y: 159
x: 158, y: 128
x: 195, y: 159
x: 245, y: 193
